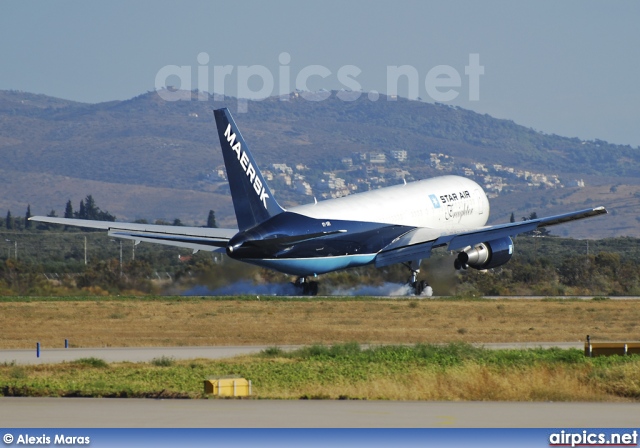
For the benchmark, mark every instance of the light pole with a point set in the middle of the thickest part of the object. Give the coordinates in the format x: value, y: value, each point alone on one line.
x: 120, y: 241
x: 15, y: 250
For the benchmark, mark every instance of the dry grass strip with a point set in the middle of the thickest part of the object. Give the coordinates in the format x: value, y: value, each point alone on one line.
x: 122, y: 323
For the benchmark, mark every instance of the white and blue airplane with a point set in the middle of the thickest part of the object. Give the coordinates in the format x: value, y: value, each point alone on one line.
x: 398, y: 224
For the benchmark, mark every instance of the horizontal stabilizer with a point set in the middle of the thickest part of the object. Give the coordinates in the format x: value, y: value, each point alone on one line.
x: 196, y: 238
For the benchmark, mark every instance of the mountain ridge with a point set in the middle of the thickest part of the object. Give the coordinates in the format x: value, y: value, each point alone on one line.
x: 158, y: 146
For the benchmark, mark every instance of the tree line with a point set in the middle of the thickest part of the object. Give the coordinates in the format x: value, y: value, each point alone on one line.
x: 88, y: 209
x: 542, y: 266
x: 16, y: 223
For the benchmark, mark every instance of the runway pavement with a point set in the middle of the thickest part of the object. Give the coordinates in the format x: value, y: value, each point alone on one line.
x: 146, y: 354
x: 119, y: 354
x: 221, y: 413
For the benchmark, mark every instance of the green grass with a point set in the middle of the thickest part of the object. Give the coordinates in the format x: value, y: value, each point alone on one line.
x: 320, y: 371
x: 437, y: 355
x: 163, y: 361
x: 91, y: 362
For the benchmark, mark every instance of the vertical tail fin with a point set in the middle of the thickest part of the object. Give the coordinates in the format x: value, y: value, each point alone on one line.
x: 252, y: 200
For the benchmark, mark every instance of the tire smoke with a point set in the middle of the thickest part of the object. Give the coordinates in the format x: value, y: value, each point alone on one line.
x: 246, y: 287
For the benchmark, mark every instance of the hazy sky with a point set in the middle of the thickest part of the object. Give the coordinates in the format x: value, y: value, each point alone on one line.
x: 570, y: 68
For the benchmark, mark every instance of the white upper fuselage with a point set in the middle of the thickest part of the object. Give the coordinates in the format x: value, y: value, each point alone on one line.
x: 445, y: 204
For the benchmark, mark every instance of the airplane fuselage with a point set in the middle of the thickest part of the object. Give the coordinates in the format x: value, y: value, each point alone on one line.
x: 330, y: 235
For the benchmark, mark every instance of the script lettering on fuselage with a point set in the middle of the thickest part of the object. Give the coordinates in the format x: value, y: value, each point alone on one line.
x: 458, y: 205
x: 458, y: 211
x: 246, y: 165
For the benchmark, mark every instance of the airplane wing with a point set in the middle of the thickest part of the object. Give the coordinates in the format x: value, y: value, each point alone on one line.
x: 195, y: 238
x: 417, y: 243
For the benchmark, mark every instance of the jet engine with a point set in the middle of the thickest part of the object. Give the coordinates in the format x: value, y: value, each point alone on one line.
x: 485, y: 255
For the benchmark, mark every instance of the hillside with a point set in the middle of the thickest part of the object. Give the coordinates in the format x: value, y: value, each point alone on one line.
x: 149, y: 158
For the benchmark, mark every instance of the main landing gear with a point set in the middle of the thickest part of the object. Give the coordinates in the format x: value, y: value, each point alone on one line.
x: 419, y: 287
x: 306, y: 287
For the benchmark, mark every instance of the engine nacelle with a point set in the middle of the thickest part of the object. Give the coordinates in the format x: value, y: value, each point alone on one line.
x: 486, y: 255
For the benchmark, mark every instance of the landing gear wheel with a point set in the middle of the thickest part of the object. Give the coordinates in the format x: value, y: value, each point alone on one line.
x: 422, y: 288
x: 307, y: 288
x: 419, y: 287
